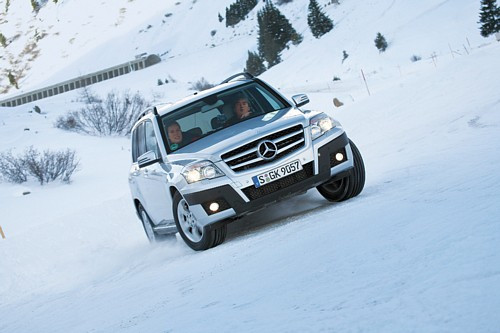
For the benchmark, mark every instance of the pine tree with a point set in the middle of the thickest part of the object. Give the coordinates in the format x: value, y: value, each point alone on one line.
x: 319, y: 23
x: 35, y: 5
x: 380, y: 42
x: 489, y: 18
x: 275, y: 31
x: 238, y: 11
x: 255, y: 64
x: 12, y: 80
x: 220, y: 18
x: 3, y: 40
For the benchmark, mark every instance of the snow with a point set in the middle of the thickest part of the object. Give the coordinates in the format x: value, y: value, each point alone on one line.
x: 417, y: 250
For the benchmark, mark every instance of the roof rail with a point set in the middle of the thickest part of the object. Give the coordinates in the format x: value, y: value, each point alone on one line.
x: 246, y: 75
x: 148, y: 110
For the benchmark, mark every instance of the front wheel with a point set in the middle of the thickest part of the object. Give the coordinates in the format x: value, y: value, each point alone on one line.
x: 195, y: 236
x: 347, y: 187
x: 152, y: 235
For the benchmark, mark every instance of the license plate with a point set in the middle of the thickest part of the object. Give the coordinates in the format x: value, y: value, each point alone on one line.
x: 277, y: 173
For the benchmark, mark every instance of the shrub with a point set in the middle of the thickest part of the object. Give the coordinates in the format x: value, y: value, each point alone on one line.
x: 67, y: 123
x: 380, y: 42
x: 12, y: 169
x: 160, y: 82
x: 37, y: 109
x: 280, y: 2
x: 114, y: 115
x: 44, y: 166
x: 415, y: 58
x: 201, y: 85
x: 345, y: 55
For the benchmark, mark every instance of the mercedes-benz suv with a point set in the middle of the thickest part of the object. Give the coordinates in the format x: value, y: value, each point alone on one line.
x: 231, y: 150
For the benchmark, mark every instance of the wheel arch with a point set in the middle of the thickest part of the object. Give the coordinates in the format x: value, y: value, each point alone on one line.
x: 137, y: 204
x: 172, y: 191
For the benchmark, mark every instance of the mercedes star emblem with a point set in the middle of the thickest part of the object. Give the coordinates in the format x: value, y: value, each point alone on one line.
x: 267, y: 150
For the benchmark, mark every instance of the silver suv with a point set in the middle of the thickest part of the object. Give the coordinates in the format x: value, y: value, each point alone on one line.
x: 226, y: 152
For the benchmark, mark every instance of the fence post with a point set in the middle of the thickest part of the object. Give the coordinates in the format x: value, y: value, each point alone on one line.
x: 1, y: 232
x: 451, y: 51
x: 366, y: 84
x: 433, y: 56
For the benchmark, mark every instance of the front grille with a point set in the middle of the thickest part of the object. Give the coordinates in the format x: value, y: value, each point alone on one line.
x: 246, y: 156
x: 253, y: 192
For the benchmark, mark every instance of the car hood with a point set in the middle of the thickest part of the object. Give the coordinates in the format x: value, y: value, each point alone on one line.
x: 213, y: 146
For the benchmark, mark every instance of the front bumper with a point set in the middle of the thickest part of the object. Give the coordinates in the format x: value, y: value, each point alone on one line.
x: 314, y: 173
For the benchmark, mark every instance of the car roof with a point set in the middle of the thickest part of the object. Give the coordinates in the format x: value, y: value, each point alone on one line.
x: 163, y: 109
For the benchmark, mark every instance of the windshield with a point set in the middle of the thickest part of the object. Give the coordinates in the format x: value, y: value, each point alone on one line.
x: 215, y: 112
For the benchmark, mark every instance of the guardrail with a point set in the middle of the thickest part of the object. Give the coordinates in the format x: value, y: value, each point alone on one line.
x: 82, y: 81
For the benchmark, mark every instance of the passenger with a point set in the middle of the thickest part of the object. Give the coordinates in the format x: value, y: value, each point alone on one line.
x: 175, y: 136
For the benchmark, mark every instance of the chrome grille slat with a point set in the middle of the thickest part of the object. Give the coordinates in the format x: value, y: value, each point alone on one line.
x: 290, y: 146
x: 247, y: 152
x: 247, y: 163
x: 246, y: 156
x: 287, y: 136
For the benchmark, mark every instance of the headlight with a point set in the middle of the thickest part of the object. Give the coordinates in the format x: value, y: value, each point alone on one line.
x: 201, y: 170
x: 320, y: 124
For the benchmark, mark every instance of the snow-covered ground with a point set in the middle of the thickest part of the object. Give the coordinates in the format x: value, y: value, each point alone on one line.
x: 417, y: 250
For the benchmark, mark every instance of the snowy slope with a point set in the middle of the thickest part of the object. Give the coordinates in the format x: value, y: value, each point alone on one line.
x: 416, y: 251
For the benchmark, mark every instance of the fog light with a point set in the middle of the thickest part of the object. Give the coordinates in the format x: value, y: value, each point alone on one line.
x: 214, y: 206
x: 339, y: 156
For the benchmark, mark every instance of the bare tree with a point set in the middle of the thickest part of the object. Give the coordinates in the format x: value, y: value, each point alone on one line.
x: 46, y: 166
x: 114, y: 115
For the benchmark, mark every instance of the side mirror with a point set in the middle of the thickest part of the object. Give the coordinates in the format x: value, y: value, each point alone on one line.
x: 300, y: 100
x: 147, y: 158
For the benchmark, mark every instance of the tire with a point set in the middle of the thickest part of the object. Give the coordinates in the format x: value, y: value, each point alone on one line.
x: 152, y: 236
x: 347, y: 187
x: 196, y: 237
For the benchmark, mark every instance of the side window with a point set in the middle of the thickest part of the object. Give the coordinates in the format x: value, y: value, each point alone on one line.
x: 151, y: 144
x: 141, y: 143
x: 134, y: 145
x: 273, y: 103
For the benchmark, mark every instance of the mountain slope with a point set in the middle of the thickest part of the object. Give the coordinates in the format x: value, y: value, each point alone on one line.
x: 416, y: 251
